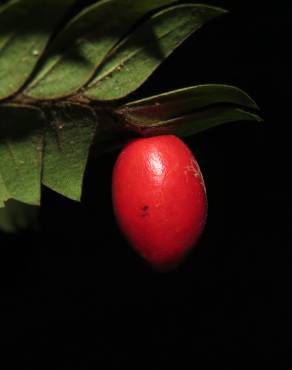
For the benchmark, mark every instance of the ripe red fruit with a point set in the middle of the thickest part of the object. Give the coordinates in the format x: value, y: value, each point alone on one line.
x: 159, y: 198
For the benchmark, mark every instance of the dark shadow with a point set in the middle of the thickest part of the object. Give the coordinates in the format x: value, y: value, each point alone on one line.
x: 17, y: 123
x: 17, y: 216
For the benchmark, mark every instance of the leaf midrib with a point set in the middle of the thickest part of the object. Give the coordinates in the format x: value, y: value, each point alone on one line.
x: 131, y: 56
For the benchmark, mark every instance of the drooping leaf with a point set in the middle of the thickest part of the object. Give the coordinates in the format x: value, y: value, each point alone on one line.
x: 21, y: 146
x: 184, y: 101
x: 17, y: 216
x: 84, y: 43
x: 136, y: 57
x: 25, y: 28
x: 103, y: 54
x: 194, y: 123
x: 67, y: 142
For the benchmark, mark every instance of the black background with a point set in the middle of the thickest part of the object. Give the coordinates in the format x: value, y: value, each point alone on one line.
x: 77, y: 297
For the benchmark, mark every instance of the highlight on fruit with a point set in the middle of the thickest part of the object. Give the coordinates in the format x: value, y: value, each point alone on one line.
x: 159, y: 198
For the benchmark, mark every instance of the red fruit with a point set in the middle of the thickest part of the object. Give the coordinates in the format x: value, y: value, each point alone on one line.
x: 159, y: 198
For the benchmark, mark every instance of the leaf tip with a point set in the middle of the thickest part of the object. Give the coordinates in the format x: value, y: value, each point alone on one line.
x: 216, y: 9
x: 260, y: 119
x: 252, y: 116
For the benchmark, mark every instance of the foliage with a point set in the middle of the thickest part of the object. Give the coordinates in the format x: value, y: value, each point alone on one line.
x: 63, y: 87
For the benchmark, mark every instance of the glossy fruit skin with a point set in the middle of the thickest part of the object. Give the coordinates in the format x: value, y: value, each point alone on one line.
x: 159, y: 199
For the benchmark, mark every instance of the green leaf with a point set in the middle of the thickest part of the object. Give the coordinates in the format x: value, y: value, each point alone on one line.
x: 184, y: 101
x: 67, y: 142
x: 21, y: 145
x: 25, y: 28
x: 194, y: 123
x: 84, y: 43
x: 105, y: 53
x: 136, y: 57
x: 17, y: 216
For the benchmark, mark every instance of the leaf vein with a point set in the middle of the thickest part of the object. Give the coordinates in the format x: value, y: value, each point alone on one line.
x: 7, y: 42
x: 130, y: 56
